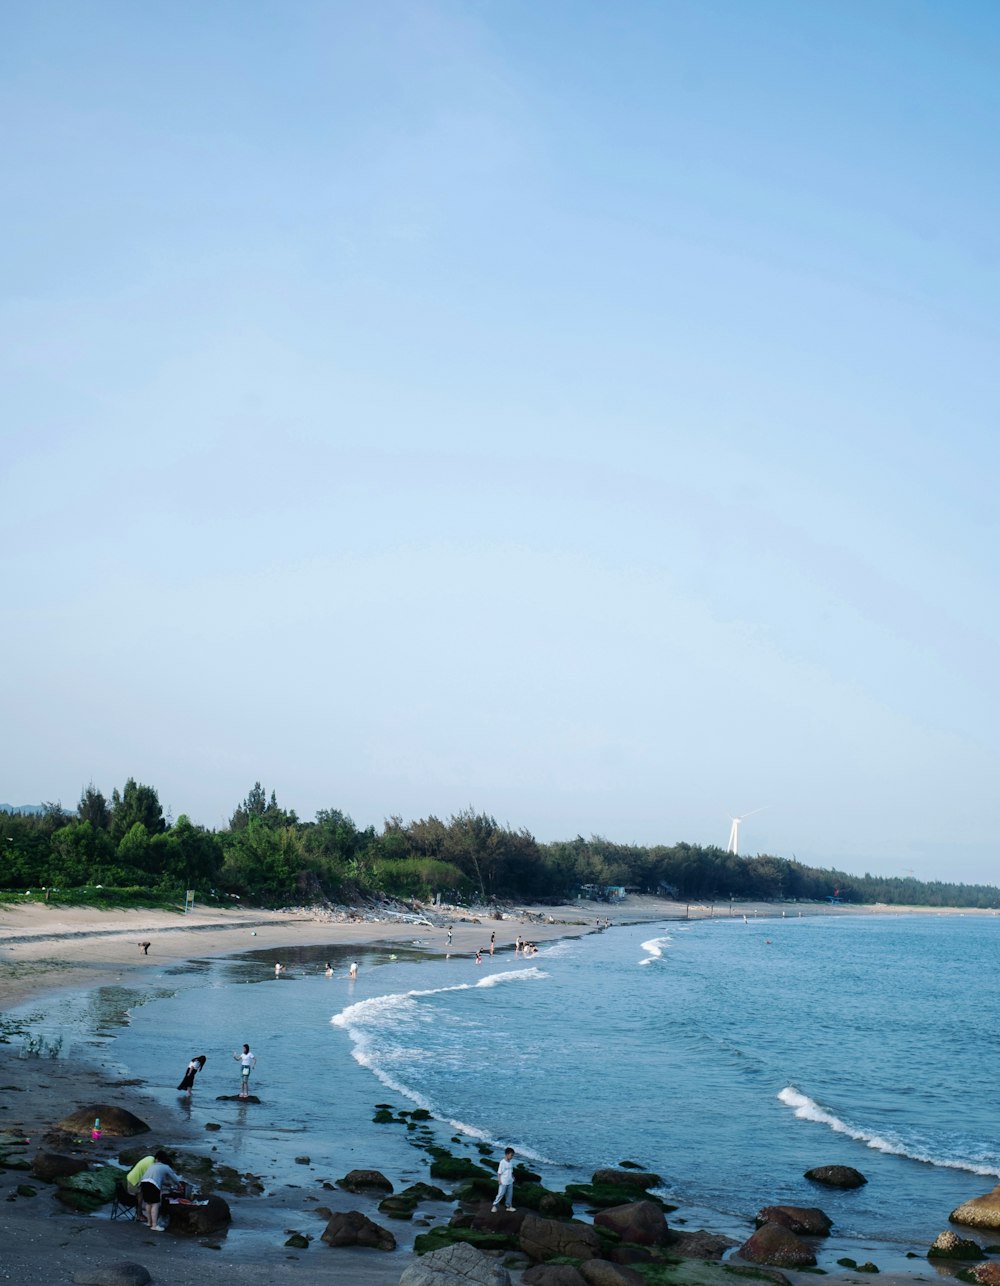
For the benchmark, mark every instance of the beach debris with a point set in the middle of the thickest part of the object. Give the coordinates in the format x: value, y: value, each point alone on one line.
x: 806, y: 1221
x: 979, y: 1212
x: 775, y: 1244
x: 365, y: 1181
x: 640, y: 1223
x: 457, y: 1265
x: 542, y: 1239
x: 949, y: 1245
x: 116, y: 1121
x: 352, y: 1228
x: 836, y: 1176
x: 123, y: 1273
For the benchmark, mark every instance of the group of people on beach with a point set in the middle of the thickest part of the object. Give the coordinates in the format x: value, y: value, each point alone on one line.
x: 246, y: 1059
x: 149, y: 1180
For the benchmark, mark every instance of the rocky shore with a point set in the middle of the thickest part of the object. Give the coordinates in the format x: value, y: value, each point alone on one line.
x: 302, y: 1233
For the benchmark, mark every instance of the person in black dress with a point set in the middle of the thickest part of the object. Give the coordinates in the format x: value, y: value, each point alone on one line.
x: 193, y: 1068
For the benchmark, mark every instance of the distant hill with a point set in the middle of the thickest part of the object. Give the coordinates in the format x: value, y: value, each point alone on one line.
x: 22, y: 808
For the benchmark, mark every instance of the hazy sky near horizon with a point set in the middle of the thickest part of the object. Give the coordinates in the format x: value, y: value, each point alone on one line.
x: 578, y: 412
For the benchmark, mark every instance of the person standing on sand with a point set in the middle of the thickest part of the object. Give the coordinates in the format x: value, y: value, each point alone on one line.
x: 247, y: 1062
x: 505, y: 1180
x: 193, y: 1068
x: 449, y: 935
x: 493, y: 941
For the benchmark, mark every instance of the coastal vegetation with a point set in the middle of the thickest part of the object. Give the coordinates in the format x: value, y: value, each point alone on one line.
x: 123, y: 851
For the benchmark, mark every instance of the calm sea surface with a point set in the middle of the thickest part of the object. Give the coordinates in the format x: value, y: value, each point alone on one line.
x: 727, y: 1056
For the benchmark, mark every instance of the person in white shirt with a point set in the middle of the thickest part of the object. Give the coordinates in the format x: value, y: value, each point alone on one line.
x: 247, y: 1062
x: 505, y: 1180
x: 153, y: 1181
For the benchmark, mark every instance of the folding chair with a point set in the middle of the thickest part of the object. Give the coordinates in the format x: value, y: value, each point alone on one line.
x: 123, y: 1204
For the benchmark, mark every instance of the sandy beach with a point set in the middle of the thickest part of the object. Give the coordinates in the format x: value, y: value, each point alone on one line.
x: 47, y: 947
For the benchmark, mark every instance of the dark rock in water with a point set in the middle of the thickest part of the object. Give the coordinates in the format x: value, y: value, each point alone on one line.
x: 452, y: 1265
x: 199, y: 1219
x: 523, y: 1175
x: 836, y: 1176
x: 26, y: 1190
x: 115, y: 1121
x: 120, y: 1274
x: 236, y: 1098
x: 50, y: 1166
x: 640, y: 1223
x: 610, y: 1194
x: 988, y: 1273
x: 383, y: 1116
x: 352, y: 1228
x: 598, y: 1272
x: 868, y: 1267
x: 297, y: 1241
x: 532, y: 1196
x: 627, y: 1178
x: 980, y: 1212
x: 365, y: 1181
x: 759, y: 1274
x: 807, y: 1221
x: 949, y: 1245
x: 700, y: 1244
x: 212, y: 1125
x: 553, y: 1275
x: 775, y: 1244
x: 303, y: 1160
x: 544, y: 1239
x: 450, y: 1167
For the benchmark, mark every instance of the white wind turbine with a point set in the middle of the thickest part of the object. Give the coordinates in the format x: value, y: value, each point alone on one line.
x: 734, y: 831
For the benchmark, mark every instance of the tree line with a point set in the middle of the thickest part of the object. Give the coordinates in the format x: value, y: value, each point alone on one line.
x: 268, y: 856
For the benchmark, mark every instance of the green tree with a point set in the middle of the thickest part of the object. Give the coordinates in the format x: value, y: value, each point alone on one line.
x: 136, y: 803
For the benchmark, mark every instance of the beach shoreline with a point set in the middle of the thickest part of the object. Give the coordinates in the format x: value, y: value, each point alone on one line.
x: 48, y: 948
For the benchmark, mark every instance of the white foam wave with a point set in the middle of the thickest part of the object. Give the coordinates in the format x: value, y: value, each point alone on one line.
x: 807, y: 1109
x: 654, y: 949
x: 364, y: 1019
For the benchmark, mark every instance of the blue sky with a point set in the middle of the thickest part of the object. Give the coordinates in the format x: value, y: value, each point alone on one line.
x: 579, y: 412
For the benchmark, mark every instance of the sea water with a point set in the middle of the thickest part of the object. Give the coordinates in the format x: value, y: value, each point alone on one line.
x: 727, y: 1056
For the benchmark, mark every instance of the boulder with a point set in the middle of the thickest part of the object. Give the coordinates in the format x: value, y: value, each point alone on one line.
x: 700, y: 1244
x: 807, y: 1221
x: 627, y: 1178
x: 458, y: 1265
x: 124, y: 1273
x: 115, y: 1121
x: 352, y: 1228
x: 543, y: 1239
x: 89, y: 1189
x: 503, y: 1221
x: 639, y: 1222
x: 552, y: 1275
x: 949, y: 1245
x: 988, y: 1273
x: 758, y: 1274
x: 200, y: 1218
x: 365, y: 1181
x: 598, y: 1272
x: 980, y: 1212
x: 836, y: 1176
x: 777, y: 1245
x: 50, y: 1166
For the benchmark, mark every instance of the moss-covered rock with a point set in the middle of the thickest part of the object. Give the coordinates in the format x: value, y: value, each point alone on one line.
x: 449, y: 1236
x: 451, y: 1168
x: 90, y: 1189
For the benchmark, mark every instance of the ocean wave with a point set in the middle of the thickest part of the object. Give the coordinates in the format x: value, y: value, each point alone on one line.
x: 366, y: 1019
x: 654, y: 949
x: 807, y: 1109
